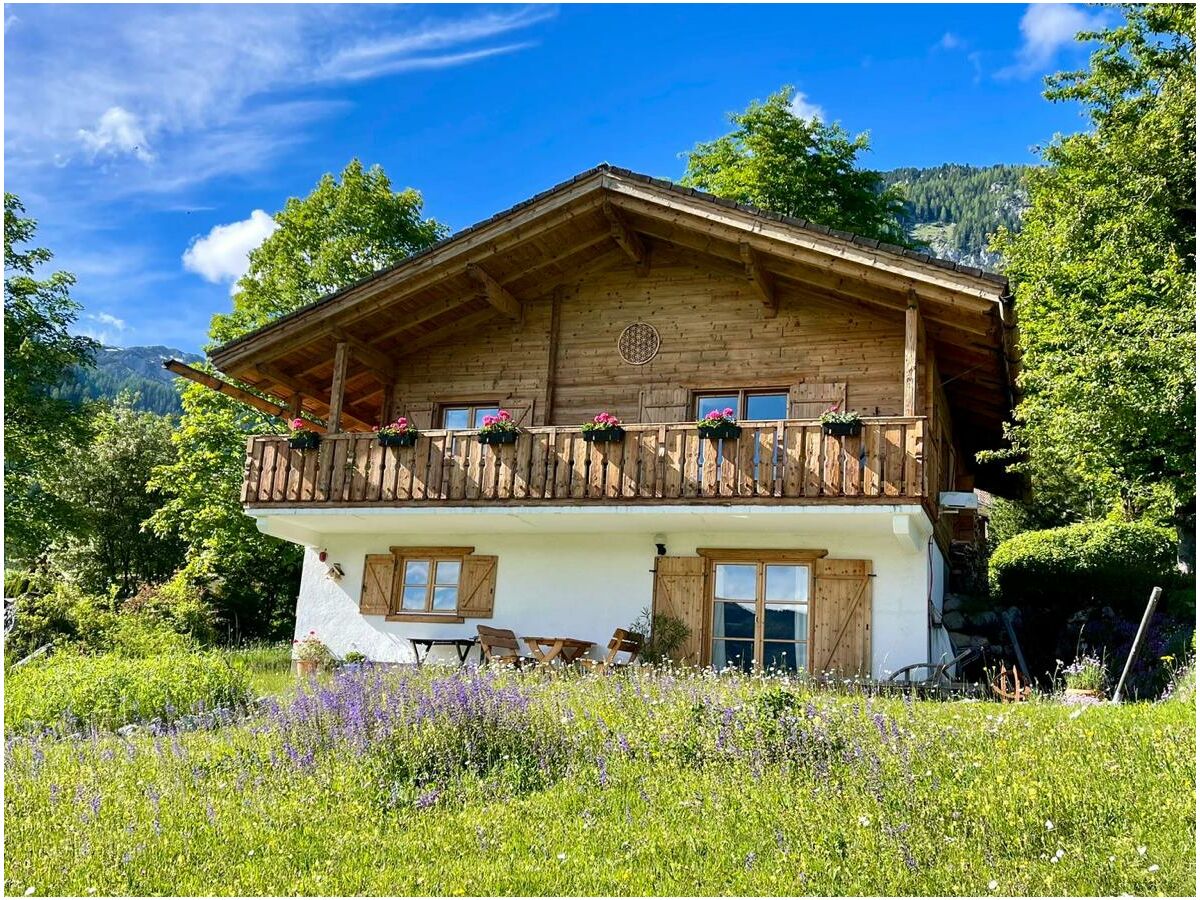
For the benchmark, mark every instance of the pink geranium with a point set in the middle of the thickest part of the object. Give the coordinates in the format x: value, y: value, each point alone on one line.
x: 400, y: 426
x: 501, y: 421
x: 602, y: 422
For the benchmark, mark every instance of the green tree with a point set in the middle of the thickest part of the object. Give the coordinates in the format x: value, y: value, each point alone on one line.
x: 344, y: 231
x: 106, y: 484
x: 1104, y: 276
x: 39, y: 352
x: 776, y: 160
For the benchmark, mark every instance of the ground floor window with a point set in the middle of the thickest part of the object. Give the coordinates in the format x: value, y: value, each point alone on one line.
x: 760, y: 615
x: 428, y: 585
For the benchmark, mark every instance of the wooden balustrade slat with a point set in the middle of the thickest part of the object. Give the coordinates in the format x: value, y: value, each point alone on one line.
x: 764, y: 475
x: 746, y: 473
x: 893, y: 466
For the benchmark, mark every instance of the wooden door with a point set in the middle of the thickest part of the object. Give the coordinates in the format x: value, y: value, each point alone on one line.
x: 680, y: 592
x: 841, y: 633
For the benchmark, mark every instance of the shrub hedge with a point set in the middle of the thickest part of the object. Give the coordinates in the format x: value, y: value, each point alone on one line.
x: 1096, y: 563
x: 70, y: 691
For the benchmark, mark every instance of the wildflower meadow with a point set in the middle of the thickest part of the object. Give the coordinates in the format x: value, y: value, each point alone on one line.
x: 404, y: 781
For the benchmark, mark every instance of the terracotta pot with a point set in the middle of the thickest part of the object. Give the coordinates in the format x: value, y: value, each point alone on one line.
x: 306, y: 668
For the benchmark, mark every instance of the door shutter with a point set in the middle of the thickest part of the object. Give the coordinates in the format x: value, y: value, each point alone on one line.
x: 521, y: 409
x: 679, y: 592
x: 808, y: 399
x: 420, y: 414
x: 841, y: 637
x: 663, y: 404
x: 477, y: 587
x: 376, y: 596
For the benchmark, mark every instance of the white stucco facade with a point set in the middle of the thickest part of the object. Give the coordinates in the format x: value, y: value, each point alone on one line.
x: 583, y: 571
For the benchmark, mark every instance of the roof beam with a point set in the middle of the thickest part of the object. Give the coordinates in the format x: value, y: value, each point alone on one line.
x: 759, y: 279
x: 494, y: 292
x: 379, y: 363
x: 627, y: 239
x: 307, y: 388
x: 440, y: 334
x: 233, y: 391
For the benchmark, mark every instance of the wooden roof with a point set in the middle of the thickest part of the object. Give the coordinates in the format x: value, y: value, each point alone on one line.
x: 486, y: 270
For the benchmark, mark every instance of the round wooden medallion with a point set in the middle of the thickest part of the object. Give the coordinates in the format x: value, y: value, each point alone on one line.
x: 638, y: 343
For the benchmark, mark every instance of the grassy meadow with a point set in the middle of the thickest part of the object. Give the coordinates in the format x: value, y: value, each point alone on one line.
x: 650, y: 782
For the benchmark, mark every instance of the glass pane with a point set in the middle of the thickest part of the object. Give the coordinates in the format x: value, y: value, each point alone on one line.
x: 459, y: 417
x: 786, y: 657
x: 786, y: 583
x: 786, y: 622
x: 414, y: 596
x: 445, y: 597
x: 480, y: 412
x: 705, y: 405
x: 447, y: 571
x: 733, y: 620
x: 766, y: 406
x: 736, y: 582
x: 739, y: 654
x: 416, y: 571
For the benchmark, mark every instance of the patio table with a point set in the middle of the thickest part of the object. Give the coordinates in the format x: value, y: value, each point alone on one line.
x: 561, y: 649
x: 461, y: 645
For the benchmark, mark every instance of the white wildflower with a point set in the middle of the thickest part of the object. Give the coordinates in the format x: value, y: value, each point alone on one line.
x: 864, y: 821
x: 562, y: 857
x: 993, y: 884
x: 1049, y: 825
x: 29, y: 891
x: 1141, y: 851
x: 1153, y: 868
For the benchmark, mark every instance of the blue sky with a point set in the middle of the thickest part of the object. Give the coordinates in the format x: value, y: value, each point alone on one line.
x: 153, y: 142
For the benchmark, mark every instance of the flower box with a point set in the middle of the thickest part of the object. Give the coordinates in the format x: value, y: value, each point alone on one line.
x: 725, y: 430
x: 842, y: 429
x: 612, y: 435
x: 305, y: 440
x: 498, y: 437
x: 407, y: 439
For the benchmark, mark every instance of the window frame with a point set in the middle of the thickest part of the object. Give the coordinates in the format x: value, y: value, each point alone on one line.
x: 472, y: 406
x: 741, y: 395
x: 760, y: 560
x: 401, y: 557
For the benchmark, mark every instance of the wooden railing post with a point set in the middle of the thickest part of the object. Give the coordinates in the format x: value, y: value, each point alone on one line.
x: 337, y: 393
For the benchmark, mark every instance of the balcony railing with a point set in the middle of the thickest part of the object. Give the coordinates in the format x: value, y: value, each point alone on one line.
x: 789, y: 461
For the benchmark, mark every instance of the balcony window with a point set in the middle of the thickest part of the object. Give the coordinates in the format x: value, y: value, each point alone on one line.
x: 747, y: 405
x: 467, y: 415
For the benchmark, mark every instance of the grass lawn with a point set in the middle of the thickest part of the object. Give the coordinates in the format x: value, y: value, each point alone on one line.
x: 646, y: 783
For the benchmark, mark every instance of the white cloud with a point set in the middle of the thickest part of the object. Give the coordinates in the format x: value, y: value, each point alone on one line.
x: 802, y: 109
x: 106, y: 319
x: 950, y: 41
x: 1045, y: 29
x: 117, y: 132
x: 223, y: 255
x: 103, y: 327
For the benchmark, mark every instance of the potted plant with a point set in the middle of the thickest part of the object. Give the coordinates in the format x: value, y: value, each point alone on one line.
x: 499, y: 429
x: 846, y: 424
x: 1087, y: 677
x: 604, y: 429
x: 719, y: 423
x: 400, y: 433
x: 310, y: 654
x: 302, y: 437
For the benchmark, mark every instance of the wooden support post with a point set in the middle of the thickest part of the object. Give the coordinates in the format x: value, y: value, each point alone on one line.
x: 912, y: 327
x: 337, y: 393
x: 1138, y: 640
x: 759, y: 279
x: 386, y: 402
x: 552, y: 354
x: 295, y: 405
x: 377, y: 362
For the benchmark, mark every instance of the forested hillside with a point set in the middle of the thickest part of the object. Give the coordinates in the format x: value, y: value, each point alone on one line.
x: 955, y: 208
x: 137, y: 369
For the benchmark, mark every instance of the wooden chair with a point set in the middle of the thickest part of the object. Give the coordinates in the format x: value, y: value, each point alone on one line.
x: 622, y: 642
x: 499, y: 645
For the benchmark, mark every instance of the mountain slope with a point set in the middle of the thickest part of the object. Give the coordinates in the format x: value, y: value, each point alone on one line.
x: 137, y: 369
x: 955, y: 208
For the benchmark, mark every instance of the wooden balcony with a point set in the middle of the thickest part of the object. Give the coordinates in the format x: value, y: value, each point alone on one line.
x: 785, y: 462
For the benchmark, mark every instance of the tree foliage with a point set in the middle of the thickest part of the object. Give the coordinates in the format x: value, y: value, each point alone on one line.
x: 1103, y: 272
x: 795, y: 166
x: 342, y: 232
x: 39, y: 352
x: 105, y: 483
x: 346, y: 229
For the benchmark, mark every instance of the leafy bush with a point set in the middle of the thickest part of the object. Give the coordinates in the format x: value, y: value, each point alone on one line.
x: 1096, y: 563
x: 70, y: 690
x: 1086, y: 673
x: 664, y: 636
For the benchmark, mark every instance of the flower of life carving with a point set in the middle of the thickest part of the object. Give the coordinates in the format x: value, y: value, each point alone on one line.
x: 638, y: 343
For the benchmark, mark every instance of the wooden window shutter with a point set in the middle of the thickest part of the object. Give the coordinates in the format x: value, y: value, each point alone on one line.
x: 841, y: 611
x: 420, y: 414
x: 477, y: 586
x: 808, y: 399
x: 521, y: 409
x: 679, y: 591
x: 664, y: 404
x: 376, y: 596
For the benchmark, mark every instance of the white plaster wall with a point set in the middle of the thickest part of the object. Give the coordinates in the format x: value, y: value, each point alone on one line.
x: 586, y: 584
